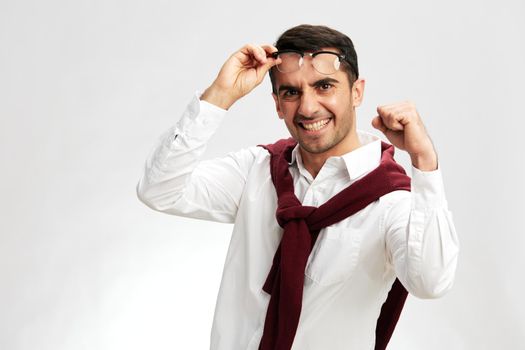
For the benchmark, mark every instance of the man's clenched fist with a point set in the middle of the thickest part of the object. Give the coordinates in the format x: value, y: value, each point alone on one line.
x: 403, y: 127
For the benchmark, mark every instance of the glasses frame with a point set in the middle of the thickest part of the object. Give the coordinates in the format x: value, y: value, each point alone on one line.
x: 312, y: 55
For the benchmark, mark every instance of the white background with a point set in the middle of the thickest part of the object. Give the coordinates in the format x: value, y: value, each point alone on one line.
x: 87, y: 87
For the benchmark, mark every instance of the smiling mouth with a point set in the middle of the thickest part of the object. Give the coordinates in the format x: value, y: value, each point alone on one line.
x: 316, y: 126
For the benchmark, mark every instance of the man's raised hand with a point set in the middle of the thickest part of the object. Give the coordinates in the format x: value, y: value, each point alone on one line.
x: 403, y: 127
x: 240, y: 74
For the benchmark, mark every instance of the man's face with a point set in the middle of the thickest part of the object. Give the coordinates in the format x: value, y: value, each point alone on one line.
x: 318, y: 109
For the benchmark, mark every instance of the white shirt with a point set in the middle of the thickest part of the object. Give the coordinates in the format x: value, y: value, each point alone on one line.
x: 353, y: 262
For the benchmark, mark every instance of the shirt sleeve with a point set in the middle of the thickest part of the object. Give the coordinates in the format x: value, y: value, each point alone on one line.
x: 175, y: 179
x: 421, y: 239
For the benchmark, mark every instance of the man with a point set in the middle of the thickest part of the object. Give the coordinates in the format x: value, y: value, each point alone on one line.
x: 324, y: 223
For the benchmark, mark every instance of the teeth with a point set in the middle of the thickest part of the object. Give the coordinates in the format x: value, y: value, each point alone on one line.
x: 317, y: 125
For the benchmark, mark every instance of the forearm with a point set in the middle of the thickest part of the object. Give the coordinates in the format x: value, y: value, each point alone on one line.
x: 177, y: 154
x: 427, y: 161
x: 218, y: 96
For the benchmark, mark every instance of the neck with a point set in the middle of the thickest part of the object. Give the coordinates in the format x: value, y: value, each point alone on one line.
x: 313, y: 162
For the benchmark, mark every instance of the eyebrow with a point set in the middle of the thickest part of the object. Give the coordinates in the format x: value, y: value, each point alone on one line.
x: 316, y: 83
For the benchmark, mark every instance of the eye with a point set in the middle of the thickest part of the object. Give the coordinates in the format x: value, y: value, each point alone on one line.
x: 290, y: 93
x: 325, y: 86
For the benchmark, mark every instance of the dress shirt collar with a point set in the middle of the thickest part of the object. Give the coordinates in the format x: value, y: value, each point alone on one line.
x: 357, y: 162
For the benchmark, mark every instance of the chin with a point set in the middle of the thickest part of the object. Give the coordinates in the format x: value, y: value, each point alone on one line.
x: 315, y: 149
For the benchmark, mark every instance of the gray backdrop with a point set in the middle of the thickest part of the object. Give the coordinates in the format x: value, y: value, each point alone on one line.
x: 87, y: 87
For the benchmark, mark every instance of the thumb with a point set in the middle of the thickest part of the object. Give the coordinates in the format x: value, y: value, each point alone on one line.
x: 377, y: 123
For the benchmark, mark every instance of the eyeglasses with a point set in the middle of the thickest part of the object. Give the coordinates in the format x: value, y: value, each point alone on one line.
x: 325, y: 62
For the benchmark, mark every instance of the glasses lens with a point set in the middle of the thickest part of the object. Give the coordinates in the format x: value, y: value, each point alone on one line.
x: 290, y: 62
x: 326, y: 63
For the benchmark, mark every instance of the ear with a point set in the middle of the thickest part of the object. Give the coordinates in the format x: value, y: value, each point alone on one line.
x: 277, y: 107
x: 358, y: 89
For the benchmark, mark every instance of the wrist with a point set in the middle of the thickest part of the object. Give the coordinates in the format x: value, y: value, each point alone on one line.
x: 217, y: 96
x: 425, y: 161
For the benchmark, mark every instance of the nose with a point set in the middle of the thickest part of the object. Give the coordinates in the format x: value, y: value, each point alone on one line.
x: 309, y: 105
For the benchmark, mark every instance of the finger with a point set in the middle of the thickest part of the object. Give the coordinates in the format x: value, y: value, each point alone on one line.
x: 269, y: 48
x: 381, y: 109
x: 393, y: 123
x: 391, y: 117
x: 406, y: 109
x: 377, y: 123
x: 257, y: 52
x: 392, y: 108
x: 269, y: 61
x: 395, y: 105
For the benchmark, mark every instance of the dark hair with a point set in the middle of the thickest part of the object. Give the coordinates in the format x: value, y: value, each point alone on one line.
x: 306, y: 37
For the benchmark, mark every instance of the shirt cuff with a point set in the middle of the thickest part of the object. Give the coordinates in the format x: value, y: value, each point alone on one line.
x: 200, y: 120
x: 428, y: 189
